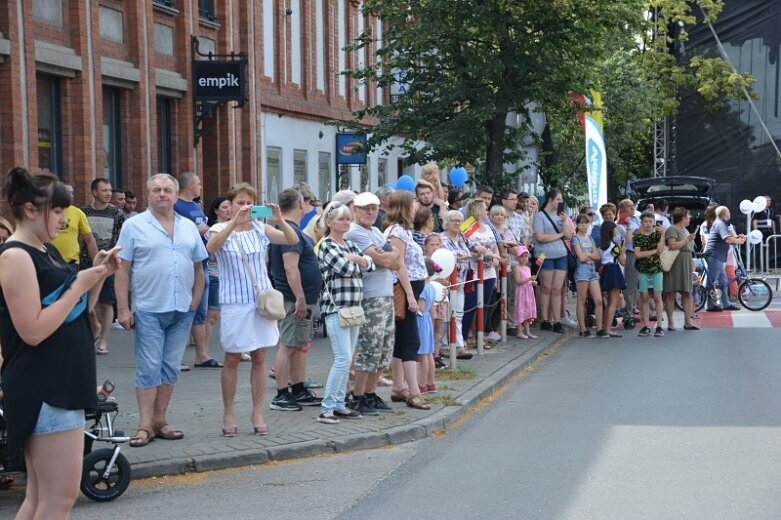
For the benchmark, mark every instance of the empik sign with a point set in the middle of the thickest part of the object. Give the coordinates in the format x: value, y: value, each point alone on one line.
x: 219, y: 80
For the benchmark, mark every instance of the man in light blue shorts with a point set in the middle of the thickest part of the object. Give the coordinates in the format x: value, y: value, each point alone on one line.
x: 163, y: 254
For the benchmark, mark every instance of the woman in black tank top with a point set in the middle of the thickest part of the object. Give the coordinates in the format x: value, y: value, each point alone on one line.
x: 46, y: 343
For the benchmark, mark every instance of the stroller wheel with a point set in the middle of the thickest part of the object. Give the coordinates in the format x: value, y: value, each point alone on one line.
x: 98, y: 487
x: 629, y: 323
x: 591, y: 321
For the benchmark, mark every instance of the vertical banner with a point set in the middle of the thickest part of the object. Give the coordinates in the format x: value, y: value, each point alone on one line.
x: 596, y: 157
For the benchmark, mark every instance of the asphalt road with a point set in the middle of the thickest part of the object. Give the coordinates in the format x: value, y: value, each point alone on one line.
x: 681, y: 427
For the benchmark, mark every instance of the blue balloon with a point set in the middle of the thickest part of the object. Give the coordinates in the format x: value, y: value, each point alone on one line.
x: 458, y: 176
x: 405, y: 182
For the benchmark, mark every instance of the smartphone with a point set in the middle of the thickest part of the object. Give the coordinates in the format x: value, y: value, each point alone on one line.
x: 309, y: 314
x: 560, y: 209
x: 659, y: 223
x: 260, y: 212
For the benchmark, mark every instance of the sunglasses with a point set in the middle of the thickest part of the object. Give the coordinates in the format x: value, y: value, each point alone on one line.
x: 334, y: 206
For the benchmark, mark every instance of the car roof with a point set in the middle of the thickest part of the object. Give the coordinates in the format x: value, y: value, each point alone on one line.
x: 673, y: 186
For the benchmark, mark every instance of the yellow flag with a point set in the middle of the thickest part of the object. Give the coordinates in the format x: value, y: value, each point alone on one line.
x: 467, y: 224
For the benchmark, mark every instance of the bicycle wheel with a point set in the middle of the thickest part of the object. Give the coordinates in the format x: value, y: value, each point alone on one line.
x: 754, y: 294
x: 699, y: 297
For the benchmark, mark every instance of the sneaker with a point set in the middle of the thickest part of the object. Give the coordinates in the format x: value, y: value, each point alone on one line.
x: 494, y: 336
x: 602, y: 334
x: 285, y: 403
x: 645, y: 331
x: 545, y: 325
x: 377, y: 402
x: 327, y: 419
x: 349, y: 414
x: 363, y: 406
x: 567, y: 320
x: 116, y: 326
x: 585, y: 334
x: 307, y: 398
x: 558, y: 328
x: 439, y: 364
x: 659, y: 332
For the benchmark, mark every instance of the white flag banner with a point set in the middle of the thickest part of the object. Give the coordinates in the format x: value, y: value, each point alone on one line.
x: 596, y: 163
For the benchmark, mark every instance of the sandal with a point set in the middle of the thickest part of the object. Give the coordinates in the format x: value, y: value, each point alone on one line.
x: 140, y: 442
x: 230, y: 432
x: 400, y: 397
x: 209, y: 363
x: 418, y: 403
x: 170, y: 435
x: 101, y: 351
x: 260, y: 430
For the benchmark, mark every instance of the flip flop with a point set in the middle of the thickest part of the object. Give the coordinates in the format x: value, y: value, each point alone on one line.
x: 101, y: 351
x: 140, y: 442
x: 170, y: 435
x: 209, y: 363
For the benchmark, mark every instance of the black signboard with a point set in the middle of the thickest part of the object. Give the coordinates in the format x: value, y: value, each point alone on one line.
x: 219, y: 80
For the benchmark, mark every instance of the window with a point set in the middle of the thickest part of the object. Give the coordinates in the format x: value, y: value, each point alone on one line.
x: 273, y: 173
x: 324, y: 173
x: 206, y: 10
x: 299, y: 166
x: 165, y: 3
x: 382, y: 172
x: 112, y: 137
x: 49, y: 124
x: 164, y: 135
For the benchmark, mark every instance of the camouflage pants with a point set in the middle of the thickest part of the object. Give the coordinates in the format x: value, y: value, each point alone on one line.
x: 375, y: 339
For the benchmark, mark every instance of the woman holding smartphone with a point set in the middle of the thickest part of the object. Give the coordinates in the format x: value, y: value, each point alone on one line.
x: 551, y: 230
x: 679, y: 277
x: 239, y: 245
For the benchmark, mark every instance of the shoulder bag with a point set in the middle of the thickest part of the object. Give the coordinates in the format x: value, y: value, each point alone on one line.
x: 352, y: 316
x: 269, y: 302
x: 668, y: 257
x: 572, y: 261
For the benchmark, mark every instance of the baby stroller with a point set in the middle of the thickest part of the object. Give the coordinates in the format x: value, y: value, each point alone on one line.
x: 106, y: 472
x: 628, y: 321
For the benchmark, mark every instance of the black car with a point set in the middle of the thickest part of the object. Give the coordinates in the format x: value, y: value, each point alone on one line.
x: 679, y: 191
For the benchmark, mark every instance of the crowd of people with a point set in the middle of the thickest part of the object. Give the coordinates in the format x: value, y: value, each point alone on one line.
x: 360, y: 264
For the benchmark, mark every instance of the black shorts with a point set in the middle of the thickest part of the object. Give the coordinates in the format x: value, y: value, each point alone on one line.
x: 407, y: 339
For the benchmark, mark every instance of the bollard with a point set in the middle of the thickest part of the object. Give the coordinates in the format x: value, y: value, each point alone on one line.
x: 452, y: 313
x: 479, y: 314
x: 503, y: 323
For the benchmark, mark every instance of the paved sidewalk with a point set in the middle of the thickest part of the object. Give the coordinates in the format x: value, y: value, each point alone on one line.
x: 196, y: 409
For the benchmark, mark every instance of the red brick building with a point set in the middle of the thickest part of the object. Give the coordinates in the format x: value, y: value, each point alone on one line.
x: 103, y: 88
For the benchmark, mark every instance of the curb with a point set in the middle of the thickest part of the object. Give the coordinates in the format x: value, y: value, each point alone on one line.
x: 437, y: 422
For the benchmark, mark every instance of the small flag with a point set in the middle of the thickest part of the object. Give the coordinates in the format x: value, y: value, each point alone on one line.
x: 472, y: 229
x: 540, y: 260
x: 467, y: 224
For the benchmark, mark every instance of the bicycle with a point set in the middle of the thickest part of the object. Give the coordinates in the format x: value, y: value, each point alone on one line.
x: 753, y: 293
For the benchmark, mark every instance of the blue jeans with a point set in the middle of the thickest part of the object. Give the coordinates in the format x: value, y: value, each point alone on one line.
x: 203, y: 306
x: 470, y: 300
x: 160, y: 340
x: 342, y: 341
x: 717, y: 276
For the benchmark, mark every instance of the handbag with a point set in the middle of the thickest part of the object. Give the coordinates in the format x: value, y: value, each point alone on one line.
x: 352, y: 316
x: 399, y: 302
x: 268, y: 302
x: 668, y: 257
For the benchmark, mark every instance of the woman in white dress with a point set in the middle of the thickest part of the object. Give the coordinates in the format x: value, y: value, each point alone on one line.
x: 238, y: 243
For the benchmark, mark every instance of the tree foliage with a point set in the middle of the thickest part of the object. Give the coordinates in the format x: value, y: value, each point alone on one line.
x: 467, y: 64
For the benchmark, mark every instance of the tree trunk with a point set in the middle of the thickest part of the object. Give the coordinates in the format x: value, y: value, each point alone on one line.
x: 495, y: 150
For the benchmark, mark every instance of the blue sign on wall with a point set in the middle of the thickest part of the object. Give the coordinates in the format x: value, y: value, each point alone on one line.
x: 349, y: 149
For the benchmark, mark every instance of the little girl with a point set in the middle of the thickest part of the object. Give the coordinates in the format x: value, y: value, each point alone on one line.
x: 612, y: 279
x: 439, y: 310
x: 586, y: 277
x: 426, y: 331
x: 525, y: 304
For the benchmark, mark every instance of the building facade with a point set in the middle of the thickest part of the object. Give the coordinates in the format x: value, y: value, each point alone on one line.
x: 103, y: 88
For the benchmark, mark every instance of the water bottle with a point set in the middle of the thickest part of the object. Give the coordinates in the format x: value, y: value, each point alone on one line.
x: 105, y: 390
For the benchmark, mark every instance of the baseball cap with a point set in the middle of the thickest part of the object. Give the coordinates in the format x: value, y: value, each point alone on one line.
x: 344, y: 196
x: 366, y: 199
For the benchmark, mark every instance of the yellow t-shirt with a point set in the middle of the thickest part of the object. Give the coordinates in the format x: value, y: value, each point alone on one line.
x: 67, y: 241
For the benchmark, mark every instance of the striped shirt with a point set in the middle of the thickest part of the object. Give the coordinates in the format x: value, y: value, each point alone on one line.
x: 235, y: 283
x: 342, y: 278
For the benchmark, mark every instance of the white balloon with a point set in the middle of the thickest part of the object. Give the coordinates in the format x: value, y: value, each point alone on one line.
x: 446, y: 260
x: 440, y: 291
x: 746, y: 206
x: 760, y: 204
x: 755, y: 237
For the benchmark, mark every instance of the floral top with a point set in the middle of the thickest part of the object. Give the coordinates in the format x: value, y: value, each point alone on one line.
x: 342, y: 278
x: 461, y: 249
x: 413, y: 253
x: 487, y: 240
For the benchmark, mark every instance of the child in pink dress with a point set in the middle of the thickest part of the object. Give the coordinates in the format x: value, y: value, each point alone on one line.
x: 525, y: 304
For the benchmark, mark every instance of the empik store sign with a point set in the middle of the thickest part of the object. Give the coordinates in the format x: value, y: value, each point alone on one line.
x: 219, y: 80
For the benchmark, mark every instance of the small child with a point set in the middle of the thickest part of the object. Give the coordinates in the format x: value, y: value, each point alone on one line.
x: 439, y: 309
x: 525, y: 304
x: 611, y: 280
x: 649, y: 244
x: 426, y: 330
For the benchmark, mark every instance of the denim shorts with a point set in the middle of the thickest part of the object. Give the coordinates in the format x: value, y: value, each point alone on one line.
x: 53, y: 420
x: 554, y: 264
x: 585, y: 273
x: 200, y: 312
x: 214, y: 293
x: 159, y: 341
